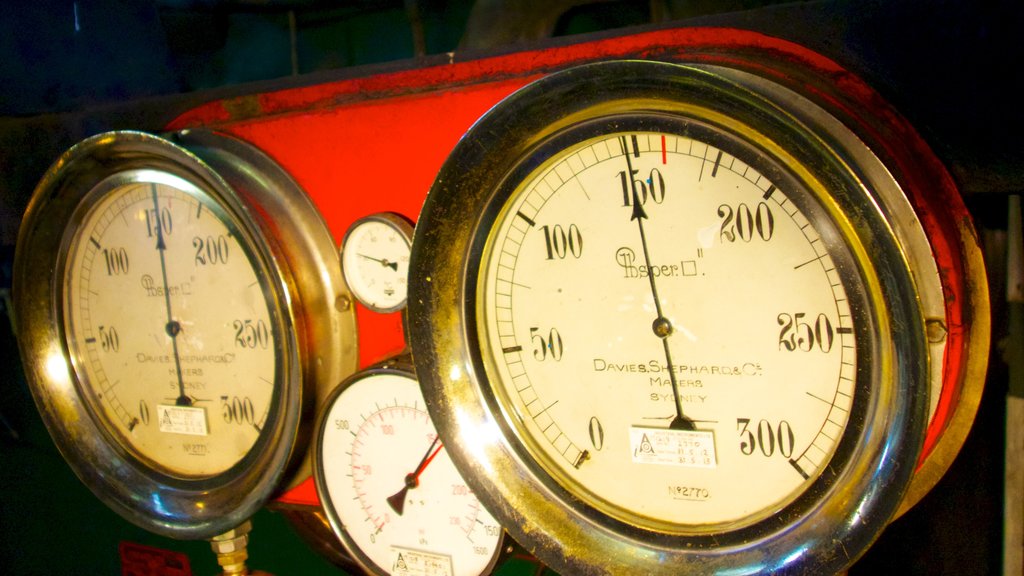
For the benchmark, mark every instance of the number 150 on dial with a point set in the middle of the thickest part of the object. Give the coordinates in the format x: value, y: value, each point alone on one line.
x: 169, y: 321
x: 671, y: 326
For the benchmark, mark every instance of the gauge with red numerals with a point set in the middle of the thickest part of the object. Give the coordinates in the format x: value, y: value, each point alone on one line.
x: 390, y: 490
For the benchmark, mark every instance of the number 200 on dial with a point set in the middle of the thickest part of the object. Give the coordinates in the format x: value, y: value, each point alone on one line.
x: 719, y: 357
x: 674, y: 348
x: 163, y: 349
x: 185, y: 380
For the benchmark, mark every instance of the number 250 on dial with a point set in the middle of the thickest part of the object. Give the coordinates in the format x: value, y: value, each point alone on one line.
x: 674, y: 342
x: 729, y: 409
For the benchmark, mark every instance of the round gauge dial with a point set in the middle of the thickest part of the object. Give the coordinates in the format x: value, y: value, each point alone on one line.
x: 181, y: 379
x: 164, y: 351
x: 390, y: 490
x: 675, y: 348
x: 375, y: 261
x: 675, y: 387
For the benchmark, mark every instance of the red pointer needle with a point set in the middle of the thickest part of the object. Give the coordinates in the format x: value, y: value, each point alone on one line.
x: 412, y: 480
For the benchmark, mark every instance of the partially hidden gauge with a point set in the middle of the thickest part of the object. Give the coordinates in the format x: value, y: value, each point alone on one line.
x: 388, y: 486
x: 674, y: 317
x: 181, y: 308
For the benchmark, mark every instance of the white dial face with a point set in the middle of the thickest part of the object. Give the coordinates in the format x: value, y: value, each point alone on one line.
x: 393, y: 487
x: 665, y: 329
x: 375, y: 261
x: 169, y: 327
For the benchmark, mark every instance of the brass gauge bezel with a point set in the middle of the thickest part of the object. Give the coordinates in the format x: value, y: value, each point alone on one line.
x: 289, y: 245
x: 840, y: 513
x: 963, y: 385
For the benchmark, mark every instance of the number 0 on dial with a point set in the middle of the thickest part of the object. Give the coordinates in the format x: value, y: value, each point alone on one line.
x: 675, y: 349
x: 158, y: 286
x: 728, y: 410
x: 184, y: 380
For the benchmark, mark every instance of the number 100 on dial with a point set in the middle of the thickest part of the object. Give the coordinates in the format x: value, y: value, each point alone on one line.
x: 717, y: 359
x: 662, y: 343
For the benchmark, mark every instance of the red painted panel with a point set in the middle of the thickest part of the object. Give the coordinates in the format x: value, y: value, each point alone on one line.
x: 139, y: 560
x: 375, y: 143
x: 368, y: 157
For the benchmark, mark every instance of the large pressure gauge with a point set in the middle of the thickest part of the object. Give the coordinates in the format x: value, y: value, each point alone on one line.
x: 664, y: 323
x: 169, y: 297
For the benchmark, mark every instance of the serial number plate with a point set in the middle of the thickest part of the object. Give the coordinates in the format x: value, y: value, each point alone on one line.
x: 689, y: 448
x: 182, y: 420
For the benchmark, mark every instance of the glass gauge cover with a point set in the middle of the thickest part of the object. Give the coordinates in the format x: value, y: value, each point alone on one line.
x: 158, y: 324
x: 664, y: 341
x: 173, y: 330
x: 389, y: 488
x: 375, y: 260
x: 722, y: 347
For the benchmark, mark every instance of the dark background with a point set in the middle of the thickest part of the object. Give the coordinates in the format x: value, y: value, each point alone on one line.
x: 72, y: 69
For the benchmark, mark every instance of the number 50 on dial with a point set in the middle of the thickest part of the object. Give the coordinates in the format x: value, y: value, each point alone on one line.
x: 678, y: 344
x: 169, y: 294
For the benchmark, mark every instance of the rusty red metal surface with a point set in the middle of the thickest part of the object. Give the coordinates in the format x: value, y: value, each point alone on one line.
x: 374, y: 143
x: 140, y: 560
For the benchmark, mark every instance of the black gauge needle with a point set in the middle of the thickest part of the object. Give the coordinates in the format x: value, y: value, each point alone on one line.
x: 173, y: 327
x: 412, y: 480
x: 662, y: 326
x: 383, y: 262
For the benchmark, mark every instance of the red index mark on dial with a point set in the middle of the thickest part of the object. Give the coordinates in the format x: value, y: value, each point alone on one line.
x: 664, y: 153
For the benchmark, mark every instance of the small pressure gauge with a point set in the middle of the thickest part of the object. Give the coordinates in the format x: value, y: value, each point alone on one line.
x: 388, y: 487
x: 375, y: 260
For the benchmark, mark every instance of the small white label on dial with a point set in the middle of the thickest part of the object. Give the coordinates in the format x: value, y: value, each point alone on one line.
x: 689, y: 448
x: 182, y: 420
x: 408, y: 562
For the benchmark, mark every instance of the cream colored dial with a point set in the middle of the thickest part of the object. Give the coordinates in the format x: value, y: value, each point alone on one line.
x: 662, y: 409
x: 167, y: 318
x: 674, y: 333
x: 375, y: 261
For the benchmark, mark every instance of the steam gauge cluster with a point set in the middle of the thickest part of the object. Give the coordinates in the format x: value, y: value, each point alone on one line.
x: 720, y: 310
